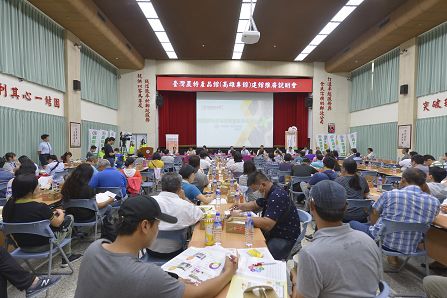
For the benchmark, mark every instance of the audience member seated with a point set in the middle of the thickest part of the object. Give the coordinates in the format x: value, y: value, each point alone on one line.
x: 304, y: 169
x: 21, y: 279
x: 5, y: 176
x: 279, y: 221
x: 405, y: 154
x: 435, y: 177
x: 317, y: 152
x: 260, y: 150
x: 245, y: 151
x: 191, y: 191
x: 352, y: 153
x: 408, y: 204
x: 358, y: 158
x: 290, y: 151
x: 91, y: 152
x: 286, y: 166
x: 205, y: 161
x: 238, y: 165
x: 172, y: 201
x: 200, y: 180
x: 249, y: 168
x: 191, y: 151
x: 108, y: 177
x: 417, y: 162
x: 133, y: 176
x: 356, y: 188
x: 371, y: 155
x: 310, y: 155
x: 119, y: 158
x: 271, y: 158
x: 319, y: 163
x: 435, y: 286
x: 27, y: 166
x: 55, y: 168
x: 23, y: 208
x: 167, y: 157
x: 336, y: 251
x: 93, y: 162
x: 406, y: 163
x: 299, y: 158
x: 66, y: 157
x: 278, y: 156
x: 156, y: 162
x: 11, y: 163
x: 442, y: 162
x: 429, y: 160
x: 76, y: 188
x: 113, y: 269
x: 327, y: 173
x: 23, y: 157
x: 139, y: 162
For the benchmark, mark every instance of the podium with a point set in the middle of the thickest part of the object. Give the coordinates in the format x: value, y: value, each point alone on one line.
x: 291, y: 139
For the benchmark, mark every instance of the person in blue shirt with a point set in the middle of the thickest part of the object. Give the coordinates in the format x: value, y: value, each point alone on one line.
x: 191, y: 191
x: 5, y: 176
x: 327, y: 173
x: 108, y: 177
x: 318, y: 164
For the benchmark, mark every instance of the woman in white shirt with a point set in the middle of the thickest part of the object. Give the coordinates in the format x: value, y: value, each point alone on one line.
x: 191, y: 151
x: 11, y: 163
x: 55, y: 168
x: 238, y: 165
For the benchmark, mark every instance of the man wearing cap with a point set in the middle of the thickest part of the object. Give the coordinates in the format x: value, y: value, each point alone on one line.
x: 280, y: 221
x: 339, y: 262
x: 114, y: 270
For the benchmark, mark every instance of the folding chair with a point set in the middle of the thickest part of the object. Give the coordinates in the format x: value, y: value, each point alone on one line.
x: 366, y: 204
x: 89, y: 204
x: 305, y: 219
x: 178, y: 236
x: 282, y: 175
x: 149, y: 184
x: 389, y: 227
x: 178, y: 162
x: 3, y: 187
x: 392, y: 180
x: 41, y: 228
x: 296, y: 180
x: 168, y: 167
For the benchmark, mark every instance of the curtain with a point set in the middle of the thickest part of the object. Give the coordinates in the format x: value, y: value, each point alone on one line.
x: 177, y: 115
x: 289, y: 110
x: 20, y: 132
x: 376, y: 84
x: 430, y: 136
x: 381, y: 137
x: 86, y: 125
x: 99, y: 81
x: 432, y: 61
x: 31, y: 45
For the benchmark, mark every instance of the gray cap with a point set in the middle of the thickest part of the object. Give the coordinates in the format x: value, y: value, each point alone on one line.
x: 328, y: 194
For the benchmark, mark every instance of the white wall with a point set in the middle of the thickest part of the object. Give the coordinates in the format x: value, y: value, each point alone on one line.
x: 33, y: 105
x: 382, y: 114
x: 98, y: 113
x: 341, y: 90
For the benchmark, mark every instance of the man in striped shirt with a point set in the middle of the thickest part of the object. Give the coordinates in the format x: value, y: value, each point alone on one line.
x: 409, y: 204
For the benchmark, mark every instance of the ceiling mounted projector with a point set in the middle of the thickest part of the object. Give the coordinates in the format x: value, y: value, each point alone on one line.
x: 252, y: 35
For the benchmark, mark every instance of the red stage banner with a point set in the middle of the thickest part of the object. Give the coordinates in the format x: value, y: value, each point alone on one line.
x: 196, y: 84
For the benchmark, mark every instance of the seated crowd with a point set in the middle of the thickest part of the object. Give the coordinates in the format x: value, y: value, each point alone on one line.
x: 344, y: 243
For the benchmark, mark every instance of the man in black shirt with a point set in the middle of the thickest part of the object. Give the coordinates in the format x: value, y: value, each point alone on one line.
x: 108, y: 150
x: 302, y: 170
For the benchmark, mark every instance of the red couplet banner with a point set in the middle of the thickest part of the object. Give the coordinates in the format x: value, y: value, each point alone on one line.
x: 197, y: 84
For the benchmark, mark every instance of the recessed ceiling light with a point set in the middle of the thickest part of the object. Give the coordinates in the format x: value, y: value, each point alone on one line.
x: 152, y: 17
x: 339, y: 17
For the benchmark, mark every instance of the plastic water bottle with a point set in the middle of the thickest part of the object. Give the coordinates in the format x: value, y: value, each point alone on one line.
x: 215, y: 184
x: 249, y: 230
x: 379, y: 183
x: 381, y: 164
x: 394, y: 170
x: 217, y: 229
x: 218, y: 199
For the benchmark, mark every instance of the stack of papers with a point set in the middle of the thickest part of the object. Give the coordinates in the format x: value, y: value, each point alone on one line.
x: 104, y: 196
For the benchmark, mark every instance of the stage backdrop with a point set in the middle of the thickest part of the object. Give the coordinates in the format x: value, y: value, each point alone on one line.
x: 178, y: 116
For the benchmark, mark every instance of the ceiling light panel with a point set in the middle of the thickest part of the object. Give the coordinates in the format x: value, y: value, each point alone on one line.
x: 152, y: 17
x: 338, y: 18
x: 247, y: 9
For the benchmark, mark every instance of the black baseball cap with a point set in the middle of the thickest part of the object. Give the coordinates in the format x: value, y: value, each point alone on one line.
x: 141, y: 207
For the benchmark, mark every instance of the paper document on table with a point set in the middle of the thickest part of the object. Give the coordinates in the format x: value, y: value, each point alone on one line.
x: 265, y: 267
x: 45, y: 182
x: 240, y: 283
x: 197, y: 264
x: 104, y: 196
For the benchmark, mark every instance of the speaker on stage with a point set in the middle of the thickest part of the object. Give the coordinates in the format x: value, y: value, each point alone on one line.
x: 159, y: 100
x: 308, y: 101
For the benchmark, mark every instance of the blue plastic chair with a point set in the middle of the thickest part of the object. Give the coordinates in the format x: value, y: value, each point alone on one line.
x: 89, y: 204
x: 3, y: 187
x: 177, y: 235
x: 305, y: 219
x: 149, y: 184
x: 282, y: 177
x: 168, y: 167
x: 389, y: 227
x: 361, y: 203
x: 384, y: 290
x: 41, y: 228
x: 297, y: 180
